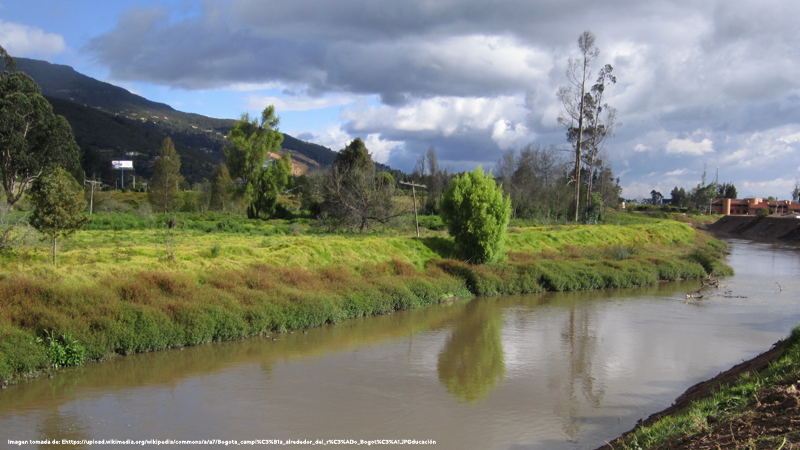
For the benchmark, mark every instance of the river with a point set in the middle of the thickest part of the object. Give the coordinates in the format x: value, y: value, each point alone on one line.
x: 545, y: 371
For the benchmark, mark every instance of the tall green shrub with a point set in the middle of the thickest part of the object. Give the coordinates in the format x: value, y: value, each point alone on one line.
x: 476, y: 215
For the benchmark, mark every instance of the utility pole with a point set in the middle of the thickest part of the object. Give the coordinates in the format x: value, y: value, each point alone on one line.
x: 414, y: 193
x: 91, y: 196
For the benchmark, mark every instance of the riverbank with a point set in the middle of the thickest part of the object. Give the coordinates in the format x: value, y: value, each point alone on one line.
x: 754, y: 405
x: 115, y: 293
x: 784, y: 228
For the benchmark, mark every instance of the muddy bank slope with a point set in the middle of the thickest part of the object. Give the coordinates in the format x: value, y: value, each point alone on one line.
x: 758, y: 227
x: 705, y: 389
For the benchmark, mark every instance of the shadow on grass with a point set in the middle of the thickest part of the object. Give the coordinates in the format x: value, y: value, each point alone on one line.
x: 443, y: 247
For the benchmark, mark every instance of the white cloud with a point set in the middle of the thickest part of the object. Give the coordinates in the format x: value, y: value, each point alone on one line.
x: 677, y: 172
x: 22, y: 40
x: 743, y: 157
x: 636, y: 189
x: 778, y: 187
x: 379, y: 148
x: 257, y: 102
x: 641, y: 148
x: 248, y: 87
x: 444, y: 115
x: 689, y: 147
x: 790, y: 139
x: 334, y: 137
x: 508, y: 135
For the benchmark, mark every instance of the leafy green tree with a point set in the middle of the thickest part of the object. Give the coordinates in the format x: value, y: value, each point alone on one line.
x: 164, y: 192
x: 354, y: 157
x: 679, y: 197
x: 656, y: 197
x: 354, y: 195
x: 727, y: 190
x: 33, y: 140
x: 249, y: 145
x: 221, y: 189
x: 59, y: 206
x: 702, y: 196
x: 476, y: 215
x: 8, y: 61
x: 271, y: 181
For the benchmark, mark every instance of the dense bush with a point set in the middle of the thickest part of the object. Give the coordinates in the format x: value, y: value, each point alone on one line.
x: 476, y: 215
x: 431, y: 223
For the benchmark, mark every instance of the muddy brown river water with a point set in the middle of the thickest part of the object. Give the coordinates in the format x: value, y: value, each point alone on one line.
x: 545, y: 371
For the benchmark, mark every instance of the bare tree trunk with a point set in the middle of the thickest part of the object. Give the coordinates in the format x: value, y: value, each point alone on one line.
x: 578, y: 166
x: 54, y: 249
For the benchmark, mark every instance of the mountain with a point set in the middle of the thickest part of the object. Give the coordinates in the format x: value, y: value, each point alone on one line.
x: 110, y: 122
x: 104, y: 138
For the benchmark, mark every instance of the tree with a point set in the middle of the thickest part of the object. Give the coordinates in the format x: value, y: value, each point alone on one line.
x: 164, y: 193
x: 221, y: 189
x: 59, y: 206
x: 702, y: 196
x: 727, y: 190
x: 573, y: 99
x: 8, y: 61
x: 33, y: 140
x: 354, y: 195
x: 476, y: 214
x: 679, y: 197
x: 435, y: 182
x: 601, y: 119
x: 535, y: 179
x: 796, y: 191
x: 656, y: 197
x: 250, y: 142
x: 271, y: 181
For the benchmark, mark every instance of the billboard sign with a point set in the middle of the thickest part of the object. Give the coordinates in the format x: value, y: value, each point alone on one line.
x: 122, y: 165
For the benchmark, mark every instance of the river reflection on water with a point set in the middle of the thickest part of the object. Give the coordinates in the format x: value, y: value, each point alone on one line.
x: 547, y: 371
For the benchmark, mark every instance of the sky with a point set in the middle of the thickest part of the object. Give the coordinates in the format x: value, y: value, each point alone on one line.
x: 699, y: 84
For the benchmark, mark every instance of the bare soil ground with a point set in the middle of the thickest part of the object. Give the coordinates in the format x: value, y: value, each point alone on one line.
x: 771, y: 419
x: 785, y: 228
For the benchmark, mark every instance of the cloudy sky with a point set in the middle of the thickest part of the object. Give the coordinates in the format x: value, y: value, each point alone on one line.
x: 712, y: 82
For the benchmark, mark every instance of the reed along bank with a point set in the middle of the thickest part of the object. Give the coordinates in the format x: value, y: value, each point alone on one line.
x: 122, y: 292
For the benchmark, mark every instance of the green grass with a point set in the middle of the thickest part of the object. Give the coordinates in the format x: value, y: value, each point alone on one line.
x: 725, y: 403
x: 115, y: 292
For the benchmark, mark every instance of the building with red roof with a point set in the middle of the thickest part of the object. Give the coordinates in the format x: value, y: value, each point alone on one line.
x: 751, y: 206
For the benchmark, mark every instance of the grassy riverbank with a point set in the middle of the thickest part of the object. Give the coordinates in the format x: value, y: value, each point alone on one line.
x: 759, y: 409
x: 138, y: 290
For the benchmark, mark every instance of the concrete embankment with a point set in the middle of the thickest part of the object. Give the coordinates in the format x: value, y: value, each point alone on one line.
x: 758, y: 227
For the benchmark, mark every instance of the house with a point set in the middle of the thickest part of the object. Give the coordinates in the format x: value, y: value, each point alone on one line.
x: 751, y: 206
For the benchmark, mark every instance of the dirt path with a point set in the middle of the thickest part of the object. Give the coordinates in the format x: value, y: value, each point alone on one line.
x: 770, y: 422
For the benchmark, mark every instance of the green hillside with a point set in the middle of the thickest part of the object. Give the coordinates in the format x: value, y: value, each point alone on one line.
x: 205, y: 135
x: 104, y: 138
